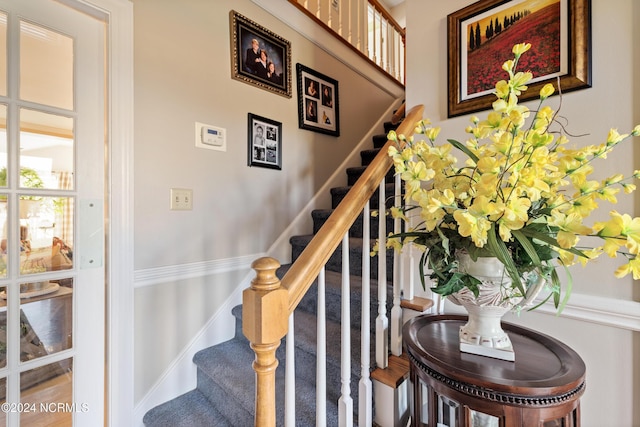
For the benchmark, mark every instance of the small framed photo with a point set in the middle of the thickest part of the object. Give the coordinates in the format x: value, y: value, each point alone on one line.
x: 317, y: 102
x: 481, y: 36
x: 265, y: 142
x: 259, y: 56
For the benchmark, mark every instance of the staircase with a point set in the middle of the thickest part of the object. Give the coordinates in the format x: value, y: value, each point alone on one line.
x: 225, y: 391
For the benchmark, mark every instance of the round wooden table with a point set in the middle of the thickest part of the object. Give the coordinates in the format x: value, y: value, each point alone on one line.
x: 541, y: 388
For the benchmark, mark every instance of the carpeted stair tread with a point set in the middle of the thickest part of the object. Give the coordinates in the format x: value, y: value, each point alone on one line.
x: 353, y: 173
x: 191, y: 409
x: 338, y: 193
x: 367, y: 156
x: 379, y: 140
x: 389, y: 126
x: 320, y: 216
x: 221, y: 383
x: 298, y: 243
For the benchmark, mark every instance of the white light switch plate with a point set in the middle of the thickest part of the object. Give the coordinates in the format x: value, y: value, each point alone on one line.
x: 181, y: 199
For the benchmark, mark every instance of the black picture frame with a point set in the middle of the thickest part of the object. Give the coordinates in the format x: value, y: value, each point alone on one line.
x: 264, y: 142
x: 465, y: 60
x: 318, y: 101
x: 278, y: 52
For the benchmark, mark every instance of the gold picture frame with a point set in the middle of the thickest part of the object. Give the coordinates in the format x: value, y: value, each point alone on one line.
x: 568, y: 32
x: 245, y: 34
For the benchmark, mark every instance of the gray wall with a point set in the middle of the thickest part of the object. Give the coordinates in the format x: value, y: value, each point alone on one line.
x: 182, y: 76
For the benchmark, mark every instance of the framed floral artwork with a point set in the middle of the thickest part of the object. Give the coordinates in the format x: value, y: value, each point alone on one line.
x: 317, y: 102
x: 259, y: 56
x: 481, y: 35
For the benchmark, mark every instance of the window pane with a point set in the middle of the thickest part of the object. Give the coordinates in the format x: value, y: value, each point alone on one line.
x: 479, y: 419
x: 46, y: 313
x: 48, y: 391
x: 3, y: 236
x: 3, y: 54
x: 447, y: 412
x: 3, y: 399
x: 46, y: 66
x: 3, y: 333
x: 3, y: 145
x: 46, y: 234
x: 46, y: 150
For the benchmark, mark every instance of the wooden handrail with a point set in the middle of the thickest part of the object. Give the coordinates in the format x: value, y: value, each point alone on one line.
x: 307, y: 267
x: 398, y: 114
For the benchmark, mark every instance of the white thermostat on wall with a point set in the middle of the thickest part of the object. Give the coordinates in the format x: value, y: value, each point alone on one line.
x: 211, y: 137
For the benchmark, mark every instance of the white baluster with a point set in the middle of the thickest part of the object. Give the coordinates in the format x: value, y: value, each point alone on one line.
x: 290, y: 378
x: 382, y: 322
x: 396, y: 310
x: 321, y: 355
x: 362, y: 18
x: 365, y: 394
x: 345, y: 403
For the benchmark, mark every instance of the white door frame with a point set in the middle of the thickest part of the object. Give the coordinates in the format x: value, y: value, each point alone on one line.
x: 119, y: 251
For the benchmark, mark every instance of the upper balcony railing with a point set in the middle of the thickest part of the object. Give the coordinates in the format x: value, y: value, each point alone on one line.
x: 366, y: 27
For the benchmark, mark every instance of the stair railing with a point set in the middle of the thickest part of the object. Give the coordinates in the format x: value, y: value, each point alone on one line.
x: 269, y: 303
x: 366, y: 27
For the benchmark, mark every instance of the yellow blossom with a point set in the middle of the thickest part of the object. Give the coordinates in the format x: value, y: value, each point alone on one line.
x: 633, y: 266
x: 432, y: 133
x: 570, y: 227
x: 614, y: 137
x: 472, y: 226
x: 521, y: 48
x: 502, y: 89
x: 546, y: 91
x: 397, y: 212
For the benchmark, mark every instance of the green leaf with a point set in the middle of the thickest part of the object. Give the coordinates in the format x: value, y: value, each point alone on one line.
x: 568, y: 287
x: 540, y: 304
x: 453, y: 285
x: 550, y: 241
x: 464, y: 149
x: 500, y: 250
x: 528, y: 247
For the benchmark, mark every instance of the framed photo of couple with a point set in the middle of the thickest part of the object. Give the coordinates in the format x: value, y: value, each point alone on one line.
x: 259, y: 56
x: 317, y: 102
x: 265, y: 142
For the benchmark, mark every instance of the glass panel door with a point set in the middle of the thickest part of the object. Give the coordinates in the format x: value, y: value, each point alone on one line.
x: 51, y: 165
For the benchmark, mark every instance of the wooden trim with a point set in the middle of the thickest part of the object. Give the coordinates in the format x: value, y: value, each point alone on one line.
x: 418, y: 304
x: 346, y: 43
x: 394, y: 374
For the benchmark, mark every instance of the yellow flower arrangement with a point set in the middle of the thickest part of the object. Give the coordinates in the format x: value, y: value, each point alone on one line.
x: 521, y: 195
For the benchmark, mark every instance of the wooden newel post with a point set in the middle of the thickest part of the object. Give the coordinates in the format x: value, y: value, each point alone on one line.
x: 265, y: 313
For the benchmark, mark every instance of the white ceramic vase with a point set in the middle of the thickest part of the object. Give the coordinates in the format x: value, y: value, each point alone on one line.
x: 483, y: 333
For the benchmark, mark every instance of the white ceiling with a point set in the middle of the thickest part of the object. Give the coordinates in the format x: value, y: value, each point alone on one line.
x: 391, y: 3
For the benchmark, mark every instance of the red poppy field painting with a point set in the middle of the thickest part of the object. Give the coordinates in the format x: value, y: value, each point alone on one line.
x: 489, y: 42
x: 480, y: 38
